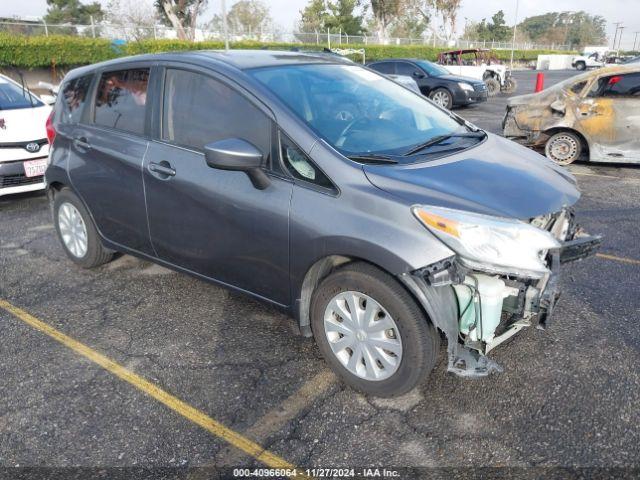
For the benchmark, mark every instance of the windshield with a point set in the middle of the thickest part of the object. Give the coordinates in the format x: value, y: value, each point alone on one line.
x: 432, y: 69
x: 355, y: 110
x: 12, y: 96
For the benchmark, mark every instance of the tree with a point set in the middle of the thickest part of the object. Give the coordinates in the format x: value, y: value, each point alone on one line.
x: 342, y: 17
x: 249, y: 16
x: 495, y: 30
x: 413, y: 20
x: 337, y: 16
x: 385, y: 13
x: 448, y: 11
x: 181, y: 15
x: 313, y: 17
x: 132, y: 20
x: 574, y: 28
x: 73, y: 11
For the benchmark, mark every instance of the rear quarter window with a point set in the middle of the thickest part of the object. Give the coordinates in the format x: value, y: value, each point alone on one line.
x: 121, y: 100
x: 74, y: 96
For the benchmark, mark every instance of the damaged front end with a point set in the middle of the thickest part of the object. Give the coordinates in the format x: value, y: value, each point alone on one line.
x: 479, y: 306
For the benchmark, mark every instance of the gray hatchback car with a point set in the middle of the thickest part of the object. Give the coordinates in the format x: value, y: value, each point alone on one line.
x: 378, y: 220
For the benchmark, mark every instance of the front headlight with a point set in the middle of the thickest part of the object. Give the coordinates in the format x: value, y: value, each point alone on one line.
x: 493, y: 244
x: 466, y: 86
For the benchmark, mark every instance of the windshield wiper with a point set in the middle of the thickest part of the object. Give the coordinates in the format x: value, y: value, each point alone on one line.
x: 373, y: 158
x: 441, y: 138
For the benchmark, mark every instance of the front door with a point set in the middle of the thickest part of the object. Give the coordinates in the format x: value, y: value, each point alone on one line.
x: 215, y: 222
x: 609, y: 116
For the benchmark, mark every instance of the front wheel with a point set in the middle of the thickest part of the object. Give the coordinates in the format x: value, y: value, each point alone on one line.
x: 442, y: 97
x: 371, y: 332
x: 493, y: 86
x: 581, y: 66
x: 563, y: 148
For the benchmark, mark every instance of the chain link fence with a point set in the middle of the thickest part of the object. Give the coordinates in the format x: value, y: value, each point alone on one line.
x: 130, y: 32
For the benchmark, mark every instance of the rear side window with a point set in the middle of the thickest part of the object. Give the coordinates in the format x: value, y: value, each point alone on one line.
x: 384, y: 67
x: 121, y: 100
x: 622, y: 85
x: 198, y: 109
x: 74, y: 95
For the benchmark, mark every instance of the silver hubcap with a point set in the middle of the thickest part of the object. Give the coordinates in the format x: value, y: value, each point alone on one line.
x: 363, y: 336
x: 441, y: 98
x: 72, y: 230
x: 562, y: 149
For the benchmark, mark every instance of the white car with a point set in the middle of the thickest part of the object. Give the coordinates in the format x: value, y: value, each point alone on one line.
x: 23, y: 138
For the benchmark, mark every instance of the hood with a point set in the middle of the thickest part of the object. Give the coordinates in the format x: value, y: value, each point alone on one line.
x: 498, y: 177
x: 23, y: 124
x: 544, y: 97
x: 460, y: 78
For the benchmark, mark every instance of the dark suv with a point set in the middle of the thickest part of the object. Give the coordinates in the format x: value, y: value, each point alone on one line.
x: 435, y: 82
x: 372, y: 216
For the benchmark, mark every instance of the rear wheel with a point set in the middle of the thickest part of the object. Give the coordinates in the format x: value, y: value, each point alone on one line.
x: 581, y: 66
x: 493, y: 86
x: 563, y: 148
x: 442, y: 97
x: 76, y: 231
x: 371, y: 331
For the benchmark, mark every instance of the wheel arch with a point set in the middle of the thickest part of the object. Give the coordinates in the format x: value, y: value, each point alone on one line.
x: 320, y: 270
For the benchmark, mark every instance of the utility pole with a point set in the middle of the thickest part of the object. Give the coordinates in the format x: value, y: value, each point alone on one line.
x: 615, y: 37
x: 224, y: 25
x: 513, y: 40
x: 620, y: 37
x: 635, y: 40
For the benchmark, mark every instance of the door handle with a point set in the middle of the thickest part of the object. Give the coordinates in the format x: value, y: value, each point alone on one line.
x: 163, y: 168
x: 81, y: 143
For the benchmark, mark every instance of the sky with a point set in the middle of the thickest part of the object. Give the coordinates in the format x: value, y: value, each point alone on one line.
x: 286, y: 12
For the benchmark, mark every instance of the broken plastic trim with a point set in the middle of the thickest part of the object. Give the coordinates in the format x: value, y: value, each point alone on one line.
x: 441, y: 305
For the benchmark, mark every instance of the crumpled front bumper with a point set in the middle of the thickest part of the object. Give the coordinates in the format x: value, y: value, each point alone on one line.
x: 534, y: 303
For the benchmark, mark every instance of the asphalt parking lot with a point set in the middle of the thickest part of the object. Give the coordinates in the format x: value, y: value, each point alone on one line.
x: 568, y: 397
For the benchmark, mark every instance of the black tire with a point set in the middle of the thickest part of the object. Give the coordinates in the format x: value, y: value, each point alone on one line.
x: 510, y: 86
x: 581, y: 66
x: 444, y: 94
x: 561, y: 142
x: 419, y: 338
x: 493, y: 86
x: 96, y: 254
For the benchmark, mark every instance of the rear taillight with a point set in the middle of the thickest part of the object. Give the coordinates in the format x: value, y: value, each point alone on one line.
x: 51, y: 131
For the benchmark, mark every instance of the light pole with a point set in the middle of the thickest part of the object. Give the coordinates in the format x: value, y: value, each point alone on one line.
x: 635, y: 40
x: 224, y: 25
x: 513, y: 40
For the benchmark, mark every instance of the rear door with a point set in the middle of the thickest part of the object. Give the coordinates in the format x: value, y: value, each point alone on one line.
x: 215, y: 222
x: 106, y: 154
x: 609, y: 116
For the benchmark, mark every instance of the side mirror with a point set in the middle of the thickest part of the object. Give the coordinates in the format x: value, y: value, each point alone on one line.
x: 239, y: 155
x: 418, y: 74
x: 559, y: 107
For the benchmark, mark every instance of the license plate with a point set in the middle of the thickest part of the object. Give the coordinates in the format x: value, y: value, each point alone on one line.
x: 35, y: 168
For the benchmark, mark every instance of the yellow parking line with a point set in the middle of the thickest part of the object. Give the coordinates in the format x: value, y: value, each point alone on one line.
x: 606, y: 256
x: 174, y: 403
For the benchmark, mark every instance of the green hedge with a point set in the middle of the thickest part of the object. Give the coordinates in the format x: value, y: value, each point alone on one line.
x: 66, y: 51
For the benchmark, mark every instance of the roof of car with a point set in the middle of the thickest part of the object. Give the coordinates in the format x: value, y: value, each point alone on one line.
x: 241, y: 59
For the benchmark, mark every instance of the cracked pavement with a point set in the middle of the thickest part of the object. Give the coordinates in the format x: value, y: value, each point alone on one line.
x: 568, y: 397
